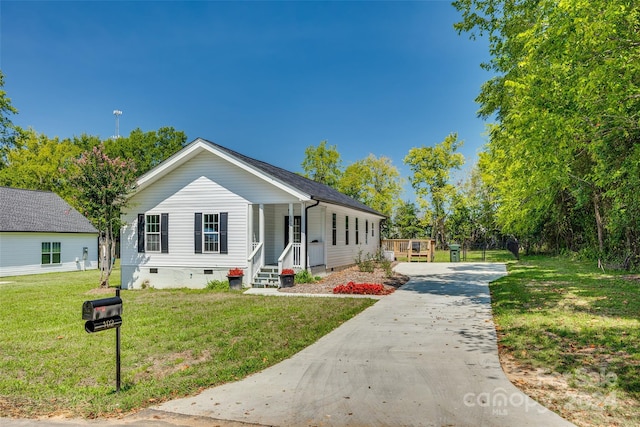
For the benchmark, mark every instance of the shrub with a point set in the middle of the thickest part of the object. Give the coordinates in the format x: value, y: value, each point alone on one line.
x: 218, y: 285
x: 304, y: 276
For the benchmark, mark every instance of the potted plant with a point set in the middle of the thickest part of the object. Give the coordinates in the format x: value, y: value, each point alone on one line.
x: 235, y: 278
x: 287, y: 277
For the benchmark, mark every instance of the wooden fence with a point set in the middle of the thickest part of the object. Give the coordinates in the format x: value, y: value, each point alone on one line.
x: 412, y: 249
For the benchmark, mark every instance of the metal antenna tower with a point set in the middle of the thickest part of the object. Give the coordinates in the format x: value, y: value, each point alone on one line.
x: 117, y: 113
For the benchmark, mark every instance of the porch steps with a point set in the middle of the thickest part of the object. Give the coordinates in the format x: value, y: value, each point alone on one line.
x: 267, y: 277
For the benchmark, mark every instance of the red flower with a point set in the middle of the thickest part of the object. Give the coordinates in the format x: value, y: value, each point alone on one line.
x: 362, y: 289
x: 288, y: 272
x: 235, y: 272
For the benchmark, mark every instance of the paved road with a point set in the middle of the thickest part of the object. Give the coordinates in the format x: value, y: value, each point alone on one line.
x: 423, y: 356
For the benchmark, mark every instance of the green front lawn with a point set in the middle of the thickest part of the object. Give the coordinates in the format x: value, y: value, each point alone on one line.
x: 174, y: 342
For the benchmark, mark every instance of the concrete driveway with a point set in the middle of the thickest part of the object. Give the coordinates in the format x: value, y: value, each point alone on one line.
x: 424, y: 356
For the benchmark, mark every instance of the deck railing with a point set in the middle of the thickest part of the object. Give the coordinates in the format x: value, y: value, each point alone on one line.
x: 412, y: 249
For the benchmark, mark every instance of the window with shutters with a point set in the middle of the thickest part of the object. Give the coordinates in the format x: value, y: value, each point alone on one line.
x: 152, y: 233
x: 211, y: 233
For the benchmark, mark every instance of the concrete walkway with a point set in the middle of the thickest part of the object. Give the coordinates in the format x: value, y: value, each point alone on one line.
x: 424, y: 356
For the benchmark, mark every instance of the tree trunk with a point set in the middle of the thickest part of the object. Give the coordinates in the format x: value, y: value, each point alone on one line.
x: 599, y: 224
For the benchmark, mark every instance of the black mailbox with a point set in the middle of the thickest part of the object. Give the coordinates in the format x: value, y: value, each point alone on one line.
x: 102, y: 308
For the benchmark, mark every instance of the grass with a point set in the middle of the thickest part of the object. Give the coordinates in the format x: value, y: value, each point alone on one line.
x: 174, y: 342
x: 567, y: 318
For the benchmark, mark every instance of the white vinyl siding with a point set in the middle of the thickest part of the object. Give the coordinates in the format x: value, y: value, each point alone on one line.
x: 343, y: 254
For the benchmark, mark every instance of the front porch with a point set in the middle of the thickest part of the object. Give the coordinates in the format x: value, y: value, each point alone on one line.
x: 283, y: 236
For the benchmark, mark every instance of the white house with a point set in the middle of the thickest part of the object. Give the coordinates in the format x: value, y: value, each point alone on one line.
x: 208, y: 209
x: 41, y: 233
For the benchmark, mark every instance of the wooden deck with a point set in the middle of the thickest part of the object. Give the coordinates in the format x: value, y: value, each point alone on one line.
x: 413, y: 249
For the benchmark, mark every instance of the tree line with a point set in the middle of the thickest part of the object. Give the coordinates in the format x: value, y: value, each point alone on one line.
x: 563, y: 158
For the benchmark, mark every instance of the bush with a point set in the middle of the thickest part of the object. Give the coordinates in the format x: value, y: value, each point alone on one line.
x: 303, y: 276
x: 218, y: 285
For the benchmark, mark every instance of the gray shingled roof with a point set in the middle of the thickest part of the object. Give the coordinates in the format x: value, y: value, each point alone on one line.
x: 316, y: 190
x: 39, y: 211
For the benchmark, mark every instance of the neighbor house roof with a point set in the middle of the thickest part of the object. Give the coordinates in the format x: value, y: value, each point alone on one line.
x: 316, y: 190
x: 39, y: 211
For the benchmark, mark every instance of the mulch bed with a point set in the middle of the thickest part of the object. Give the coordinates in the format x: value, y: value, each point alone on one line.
x: 352, y: 274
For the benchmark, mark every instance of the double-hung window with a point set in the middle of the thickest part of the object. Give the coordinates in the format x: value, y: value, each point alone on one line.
x: 152, y: 233
x: 211, y: 232
x: 51, y: 252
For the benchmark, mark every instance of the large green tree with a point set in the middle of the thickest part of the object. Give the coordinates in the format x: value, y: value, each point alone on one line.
x: 431, y: 172
x: 148, y: 149
x: 322, y: 164
x: 35, y: 160
x: 563, y: 151
x: 373, y: 181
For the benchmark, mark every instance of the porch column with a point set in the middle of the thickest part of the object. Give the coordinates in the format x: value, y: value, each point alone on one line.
x: 303, y: 236
x: 251, y: 234
x: 261, y: 231
x: 290, y: 224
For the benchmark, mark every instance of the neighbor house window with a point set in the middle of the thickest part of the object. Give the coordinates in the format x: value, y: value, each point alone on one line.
x: 346, y: 229
x: 357, y: 233
x: 51, y: 252
x: 334, y: 229
x: 211, y: 232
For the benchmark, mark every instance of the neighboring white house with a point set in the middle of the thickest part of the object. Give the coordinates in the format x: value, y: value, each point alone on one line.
x: 41, y: 233
x: 208, y: 209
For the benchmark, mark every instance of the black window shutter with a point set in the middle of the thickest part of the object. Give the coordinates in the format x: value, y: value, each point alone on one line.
x: 197, y: 233
x: 224, y: 216
x: 140, y: 233
x: 164, y: 233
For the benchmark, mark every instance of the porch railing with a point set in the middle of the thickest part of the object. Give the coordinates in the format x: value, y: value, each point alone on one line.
x: 255, y: 260
x: 291, y: 257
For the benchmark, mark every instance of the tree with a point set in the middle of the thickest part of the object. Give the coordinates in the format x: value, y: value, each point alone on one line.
x: 101, y: 186
x: 406, y: 222
x: 7, y: 129
x: 34, y: 162
x: 322, y: 164
x: 373, y: 181
x: 148, y: 149
x: 431, y: 168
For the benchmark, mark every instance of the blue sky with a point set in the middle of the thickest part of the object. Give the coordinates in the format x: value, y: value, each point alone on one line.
x: 266, y: 79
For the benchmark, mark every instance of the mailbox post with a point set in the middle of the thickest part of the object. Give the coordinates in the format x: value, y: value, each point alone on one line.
x: 103, y: 314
